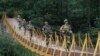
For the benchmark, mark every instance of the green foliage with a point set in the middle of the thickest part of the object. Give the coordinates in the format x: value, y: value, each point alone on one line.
x: 80, y: 13
x: 9, y: 46
x: 83, y: 15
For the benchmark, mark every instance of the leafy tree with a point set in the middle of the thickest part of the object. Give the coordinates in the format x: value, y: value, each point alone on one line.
x: 80, y: 13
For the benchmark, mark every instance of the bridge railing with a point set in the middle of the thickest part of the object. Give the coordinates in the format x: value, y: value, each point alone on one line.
x: 59, y: 41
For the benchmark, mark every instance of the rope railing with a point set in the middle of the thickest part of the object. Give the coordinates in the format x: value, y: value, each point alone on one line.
x: 60, y: 42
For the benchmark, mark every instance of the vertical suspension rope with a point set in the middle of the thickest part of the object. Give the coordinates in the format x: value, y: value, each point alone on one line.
x: 80, y: 40
x: 97, y: 45
x: 85, y: 41
x: 72, y: 45
x: 64, y: 45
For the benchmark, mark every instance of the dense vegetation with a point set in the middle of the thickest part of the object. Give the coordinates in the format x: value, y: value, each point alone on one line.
x: 9, y: 46
x: 83, y: 15
x: 80, y: 13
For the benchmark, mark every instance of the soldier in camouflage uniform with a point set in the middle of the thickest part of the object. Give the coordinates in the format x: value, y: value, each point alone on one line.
x: 66, y: 31
x: 47, y: 30
x: 19, y: 21
x: 30, y: 29
x: 24, y: 24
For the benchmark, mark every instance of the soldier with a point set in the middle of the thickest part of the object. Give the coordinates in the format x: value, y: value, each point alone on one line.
x: 30, y: 29
x: 24, y: 24
x: 66, y: 31
x: 19, y: 21
x: 47, y: 30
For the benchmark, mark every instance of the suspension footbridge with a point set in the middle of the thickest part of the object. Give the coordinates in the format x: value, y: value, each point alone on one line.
x: 56, y: 47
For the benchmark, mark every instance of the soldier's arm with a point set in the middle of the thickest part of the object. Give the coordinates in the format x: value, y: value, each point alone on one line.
x: 51, y: 29
x: 43, y: 28
x: 70, y: 30
x: 33, y: 28
x: 61, y: 28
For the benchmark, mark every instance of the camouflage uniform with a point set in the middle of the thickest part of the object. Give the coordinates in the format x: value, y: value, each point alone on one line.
x: 30, y: 29
x: 19, y: 21
x: 47, y: 30
x: 24, y: 24
x: 66, y: 31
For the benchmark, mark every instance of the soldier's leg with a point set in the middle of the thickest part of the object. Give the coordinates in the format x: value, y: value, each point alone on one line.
x: 30, y: 34
x: 68, y: 42
x: 19, y: 26
x: 47, y: 38
x: 62, y: 37
x: 24, y: 30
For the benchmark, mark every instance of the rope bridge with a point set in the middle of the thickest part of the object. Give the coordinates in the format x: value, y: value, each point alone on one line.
x: 57, y: 47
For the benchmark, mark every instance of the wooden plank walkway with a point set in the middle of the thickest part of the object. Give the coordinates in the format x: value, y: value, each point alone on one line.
x: 38, y: 43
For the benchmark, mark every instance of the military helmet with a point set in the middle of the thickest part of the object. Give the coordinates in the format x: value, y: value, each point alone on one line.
x: 46, y: 22
x: 18, y: 16
x: 24, y: 20
x: 29, y: 21
x: 65, y: 20
x: 18, y: 19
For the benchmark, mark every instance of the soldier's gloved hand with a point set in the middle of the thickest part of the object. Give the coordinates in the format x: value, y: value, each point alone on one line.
x: 42, y: 29
x: 70, y: 31
x: 62, y: 31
